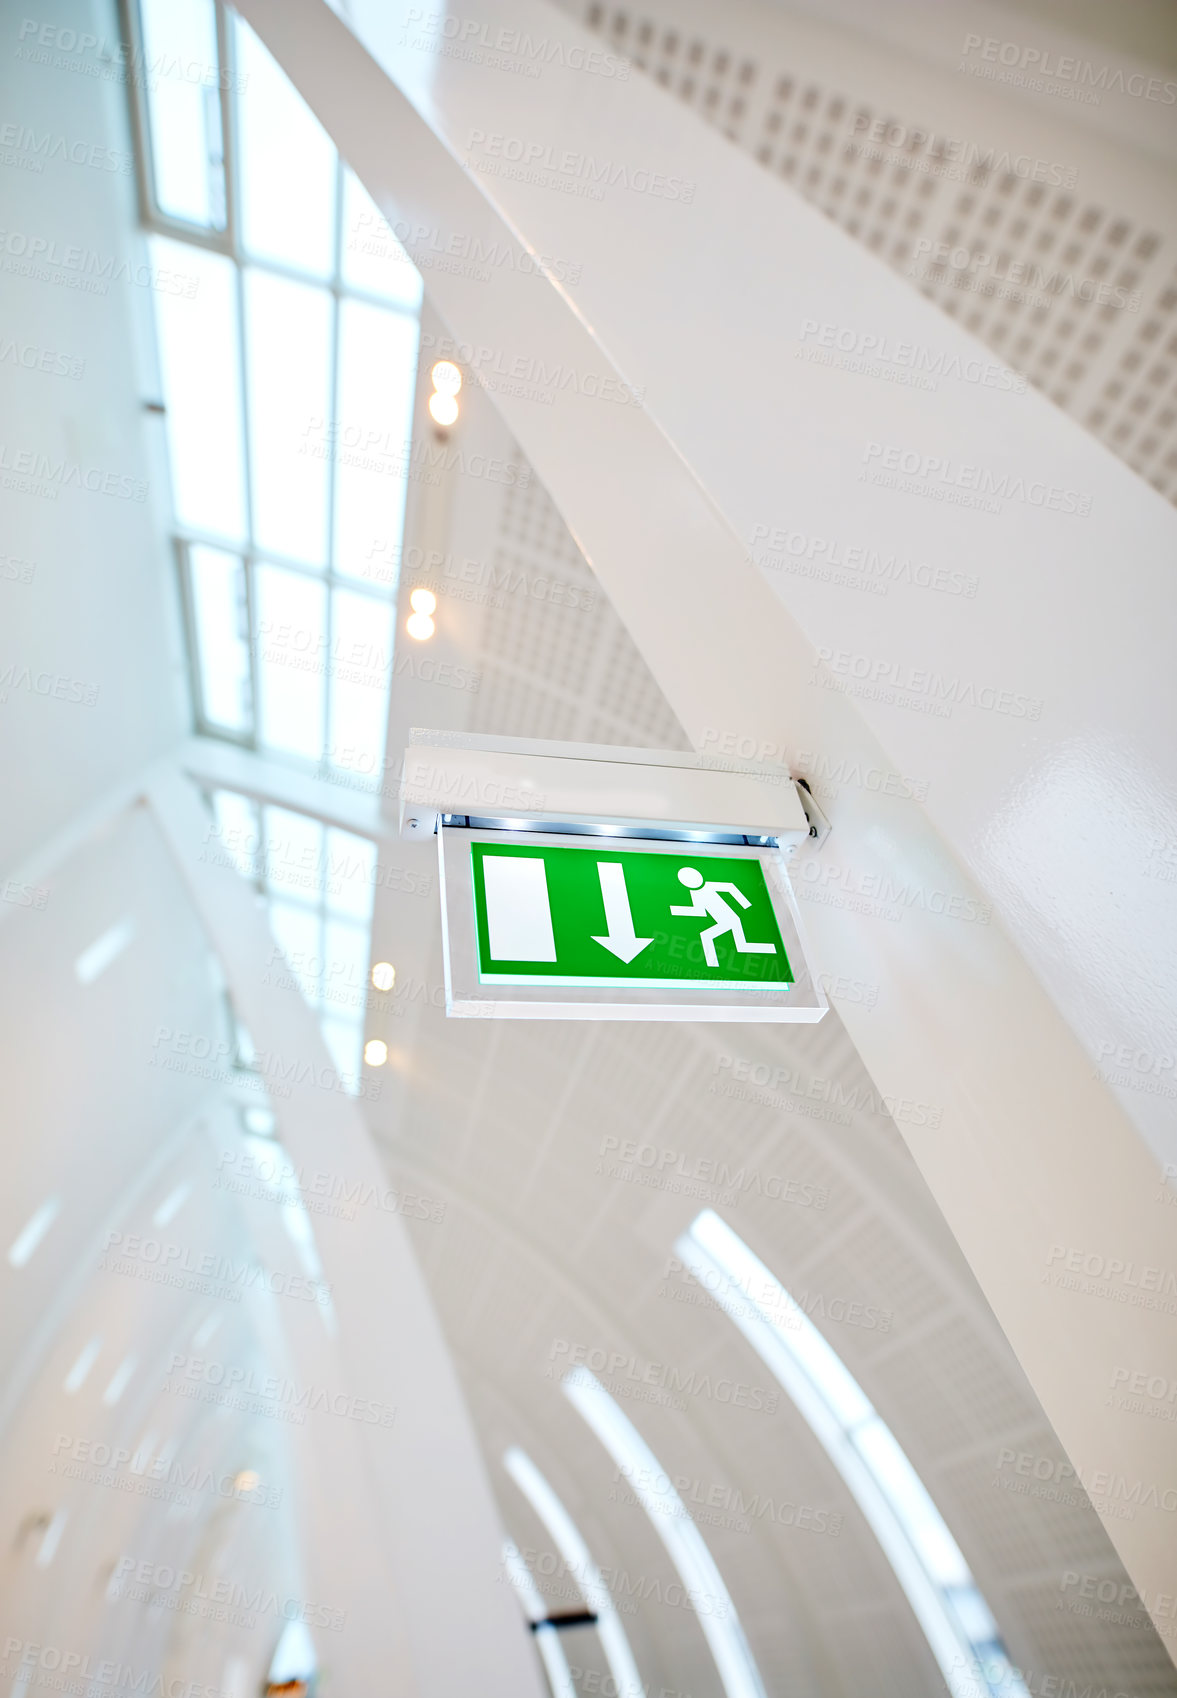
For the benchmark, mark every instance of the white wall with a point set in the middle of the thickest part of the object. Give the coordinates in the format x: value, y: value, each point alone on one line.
x: 96, y: 622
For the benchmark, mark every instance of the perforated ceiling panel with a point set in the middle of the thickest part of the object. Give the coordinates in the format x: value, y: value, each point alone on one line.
x: 552, y: 1243
x: 561, y: 660
x: 1136, y: 407
x: 1067, y: 279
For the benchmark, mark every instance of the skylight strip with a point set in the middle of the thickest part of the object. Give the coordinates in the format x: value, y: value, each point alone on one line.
x: 547, y: 1638
x: 684, y: 1543
x: 577, y: 1558
x: 844, y: 1421
x: 104, y: 951
x: 76, y: 1378
x: 171, y: 1204
x: 51, y: 1539
x: 119, y: 1381
x: 31, y: 1234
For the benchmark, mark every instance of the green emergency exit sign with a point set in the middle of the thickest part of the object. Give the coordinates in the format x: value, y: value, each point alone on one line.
x: 659, y: 916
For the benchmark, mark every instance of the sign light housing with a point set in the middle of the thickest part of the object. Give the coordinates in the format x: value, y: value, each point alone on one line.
x: 583, y: 882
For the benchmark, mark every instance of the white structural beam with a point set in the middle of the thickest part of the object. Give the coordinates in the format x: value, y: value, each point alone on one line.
x: 403, y: 1520
x: 987, y: 870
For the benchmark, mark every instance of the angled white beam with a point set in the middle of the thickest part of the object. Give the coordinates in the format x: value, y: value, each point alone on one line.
x: 418, y: 1487
x: 698, y: 277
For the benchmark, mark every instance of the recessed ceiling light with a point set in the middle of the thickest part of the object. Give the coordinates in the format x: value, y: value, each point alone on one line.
x: 383, y: 975
x: 423, y: 601
x: 419, y: 625
x: 447, y: 379
x: 375, y: 1052
x: 443, y: 409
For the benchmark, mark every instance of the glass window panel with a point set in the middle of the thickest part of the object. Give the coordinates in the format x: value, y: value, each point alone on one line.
x: 182, y: 76
x: 287, y: 166
x: 377, y: 374
x: 371, y: 258
x: 921, y: 1519
x: 361, y: 650
x: 291, y: 650
x: 237, y: 823
x: 754, y: 1282
x: 836, y: 1384
x: 974, y: 1614
x: 288, y: 344
x: 199, y: 358
x: 297, y: 933
x: 351, y: 874
x: 345, y: 1044
x: 219, y: 613
x: 246, y: 1048
x: 345, y: 975
x: 294, y: 855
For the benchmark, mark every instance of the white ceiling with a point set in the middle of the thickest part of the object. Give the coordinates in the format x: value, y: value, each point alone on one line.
x: 540, y: 1243
x: 801, y: 89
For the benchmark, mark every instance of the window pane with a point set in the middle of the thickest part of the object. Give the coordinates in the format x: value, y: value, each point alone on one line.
x: 824, y: 1367
x: 292, y: 638
x: 377, y: 373
x: 362, y: 666
x: 346, y: 973
x: 921, y: 1520
x: 218, y: 603
x: 296, y: 932
x: 287, y: 169
x: 372, y: 259
x: 182, y: 77
x: 345, y: 1044
x: 294, y: 855
x: 351, y: 874
x: 288, y: 336
x: 238, y: 825
x: 199, y: 360
x: 974, y: 1614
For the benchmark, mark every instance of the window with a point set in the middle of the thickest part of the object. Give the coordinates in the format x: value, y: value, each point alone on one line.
x: 684, y: 1543
x: 566, y: 1537
x: 287, y: 341
x: 319, y: 883
x: 547, y: 1637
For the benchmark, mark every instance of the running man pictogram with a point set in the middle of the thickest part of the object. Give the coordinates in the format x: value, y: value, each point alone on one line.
x: 709, y: 899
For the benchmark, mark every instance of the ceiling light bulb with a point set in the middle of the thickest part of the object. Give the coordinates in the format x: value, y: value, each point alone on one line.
x: 419, y: 625
x: 383, y: 975
x: 447, y: 379
x: 423, y: 601
x: 375, y: 1052
x: 443, y: 409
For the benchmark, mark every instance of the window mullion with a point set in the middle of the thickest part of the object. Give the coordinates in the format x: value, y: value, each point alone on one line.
x: 332, y: 465
x: 229, y: 142
x: 253, y: 641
